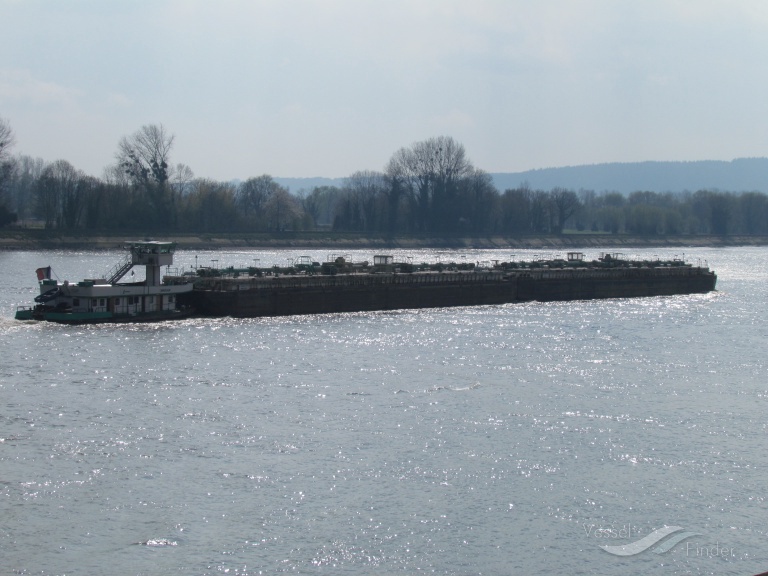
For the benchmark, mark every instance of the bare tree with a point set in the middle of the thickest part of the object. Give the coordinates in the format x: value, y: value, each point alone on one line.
x: 478, y: 204
x: 145, y: 155
x: 61, y: 193
x: 566, y: 203
x: 540, y: 211
x: 282, y: 209
x: 145, y: 158
x: 6, y: 165
x: 21, y: 187
x: 73, y: 188
x: 180, y: 185
x: 209, y: 206
x: 182, y: 177
x: 115, y: 175
x: 252, y: 198
x: 400, y: 188
x: 364, y: 190
x: 320, y: 204
x: 254, y: 193
x: 429, y: 173
x: 7, y: 139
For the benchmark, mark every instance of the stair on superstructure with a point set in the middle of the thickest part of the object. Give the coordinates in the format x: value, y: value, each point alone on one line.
x: 120, y: 270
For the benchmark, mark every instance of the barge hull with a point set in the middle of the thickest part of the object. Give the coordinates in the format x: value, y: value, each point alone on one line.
x: 286, y: 302
x: 248, y: 298
x: 615, y: 284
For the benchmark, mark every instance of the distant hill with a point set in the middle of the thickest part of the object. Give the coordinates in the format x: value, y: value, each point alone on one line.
x: 740, y: 175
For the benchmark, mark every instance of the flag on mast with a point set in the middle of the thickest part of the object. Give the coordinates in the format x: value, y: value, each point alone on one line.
x: 43, y: 273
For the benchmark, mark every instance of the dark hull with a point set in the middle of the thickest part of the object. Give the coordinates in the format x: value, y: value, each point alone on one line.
x: 620, y: 283
x: 368, y: 292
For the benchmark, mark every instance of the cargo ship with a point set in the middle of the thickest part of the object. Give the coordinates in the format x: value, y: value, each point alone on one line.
x: 108, y: 299
x: 337, y: 285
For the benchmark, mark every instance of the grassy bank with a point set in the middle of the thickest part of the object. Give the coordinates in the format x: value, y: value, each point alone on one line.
x: 35, y: 239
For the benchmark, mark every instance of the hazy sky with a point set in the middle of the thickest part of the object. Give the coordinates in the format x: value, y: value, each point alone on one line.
x: 329, y: 87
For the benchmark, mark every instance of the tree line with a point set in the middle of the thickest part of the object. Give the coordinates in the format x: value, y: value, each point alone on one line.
x: 430, y: 188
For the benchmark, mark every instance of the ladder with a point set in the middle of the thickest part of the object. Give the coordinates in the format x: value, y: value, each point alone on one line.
x: 120, y: 269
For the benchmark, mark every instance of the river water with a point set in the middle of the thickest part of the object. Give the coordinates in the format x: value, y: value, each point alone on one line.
x: 515, y: 439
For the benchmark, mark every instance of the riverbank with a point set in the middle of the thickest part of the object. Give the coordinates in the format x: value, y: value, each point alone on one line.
x: 31, y: 239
